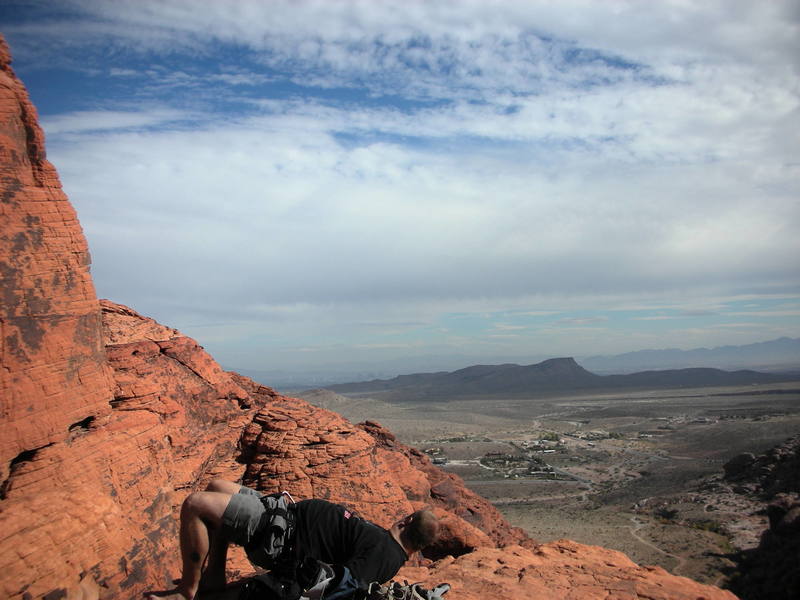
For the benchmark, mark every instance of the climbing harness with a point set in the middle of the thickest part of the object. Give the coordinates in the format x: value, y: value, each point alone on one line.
x: 277, y: 525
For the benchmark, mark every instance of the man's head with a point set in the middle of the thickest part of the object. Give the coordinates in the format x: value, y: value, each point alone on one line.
x: 416, y: 531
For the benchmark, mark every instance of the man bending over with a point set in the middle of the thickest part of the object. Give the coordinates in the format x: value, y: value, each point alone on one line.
x: 227, y: 512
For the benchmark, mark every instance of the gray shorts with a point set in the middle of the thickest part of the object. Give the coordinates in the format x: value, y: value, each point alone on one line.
x: 242, y: 516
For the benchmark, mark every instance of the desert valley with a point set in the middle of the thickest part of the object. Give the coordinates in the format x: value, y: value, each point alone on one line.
x: 639, y: 471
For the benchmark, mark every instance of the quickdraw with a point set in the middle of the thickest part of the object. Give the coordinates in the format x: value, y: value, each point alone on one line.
x: 405, y: 591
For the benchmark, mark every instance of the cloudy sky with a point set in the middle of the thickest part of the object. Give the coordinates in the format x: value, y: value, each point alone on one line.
x: 305, y: 186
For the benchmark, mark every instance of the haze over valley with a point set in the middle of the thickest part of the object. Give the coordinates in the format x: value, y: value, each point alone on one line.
x: 780, y: 355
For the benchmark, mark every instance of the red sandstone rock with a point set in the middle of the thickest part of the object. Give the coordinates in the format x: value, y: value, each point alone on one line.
x: 54, y: 373
x: 561, y: 570
x: 100, y: 507
x: 107, y: 429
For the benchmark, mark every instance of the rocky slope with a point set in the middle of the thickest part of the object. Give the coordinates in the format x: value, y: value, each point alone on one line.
x: 777, y: 471
x: 755, y: 503
x: 771, y: 570
x: 109, y: 419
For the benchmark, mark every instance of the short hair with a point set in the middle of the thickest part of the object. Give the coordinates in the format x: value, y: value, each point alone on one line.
x: 422, y: 531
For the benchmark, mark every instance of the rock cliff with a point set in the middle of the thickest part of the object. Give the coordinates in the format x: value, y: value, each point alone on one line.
x: 109, y: 419
x: 55, y: 376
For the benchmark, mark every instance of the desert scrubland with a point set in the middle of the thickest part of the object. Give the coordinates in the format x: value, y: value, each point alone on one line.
x: 638, y: 471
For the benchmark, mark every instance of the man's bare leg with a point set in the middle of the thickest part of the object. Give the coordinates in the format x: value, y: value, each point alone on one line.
x: 213, y: 578
x: 201, y: 513
x: 223, y: 486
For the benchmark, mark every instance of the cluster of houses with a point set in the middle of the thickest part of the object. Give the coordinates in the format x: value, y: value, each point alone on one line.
x: 514, y: 466
x: 437, y: 455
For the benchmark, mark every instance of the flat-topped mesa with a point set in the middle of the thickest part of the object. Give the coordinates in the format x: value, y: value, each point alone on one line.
x: 566, y: 363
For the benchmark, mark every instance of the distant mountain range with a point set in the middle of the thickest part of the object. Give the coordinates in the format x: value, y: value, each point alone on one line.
x: 775, y: 356
x: 556, y: 374
x: 782, y: 354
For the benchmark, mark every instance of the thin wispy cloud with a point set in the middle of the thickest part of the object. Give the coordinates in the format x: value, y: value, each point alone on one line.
x: 92, y: 122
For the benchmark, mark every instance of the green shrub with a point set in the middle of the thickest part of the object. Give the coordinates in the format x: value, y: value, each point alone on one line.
x: 707, y: 525
x: 666, y: 513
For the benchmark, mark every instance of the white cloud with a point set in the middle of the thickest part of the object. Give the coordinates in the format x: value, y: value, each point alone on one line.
x: 509, y: 327
x: 450, y: 47
x: 289, y: 215
x: 583, y: 320
x: 108, y: 120
x: 370, y: 218
x: 766, y: 313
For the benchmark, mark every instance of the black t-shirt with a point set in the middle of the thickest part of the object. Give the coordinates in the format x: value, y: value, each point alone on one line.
x: 330, y: 533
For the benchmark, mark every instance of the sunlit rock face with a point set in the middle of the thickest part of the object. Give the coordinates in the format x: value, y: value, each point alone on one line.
x: 109, y: 419
x: 54, y: 374
x: 97, y: 509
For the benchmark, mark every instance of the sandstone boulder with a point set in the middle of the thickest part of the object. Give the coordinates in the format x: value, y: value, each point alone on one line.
x: 561, y: 570
x: 772, y: 569
x: 738, y: 466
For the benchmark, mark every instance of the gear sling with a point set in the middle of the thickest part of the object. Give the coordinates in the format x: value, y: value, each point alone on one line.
x: 289, y: 576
